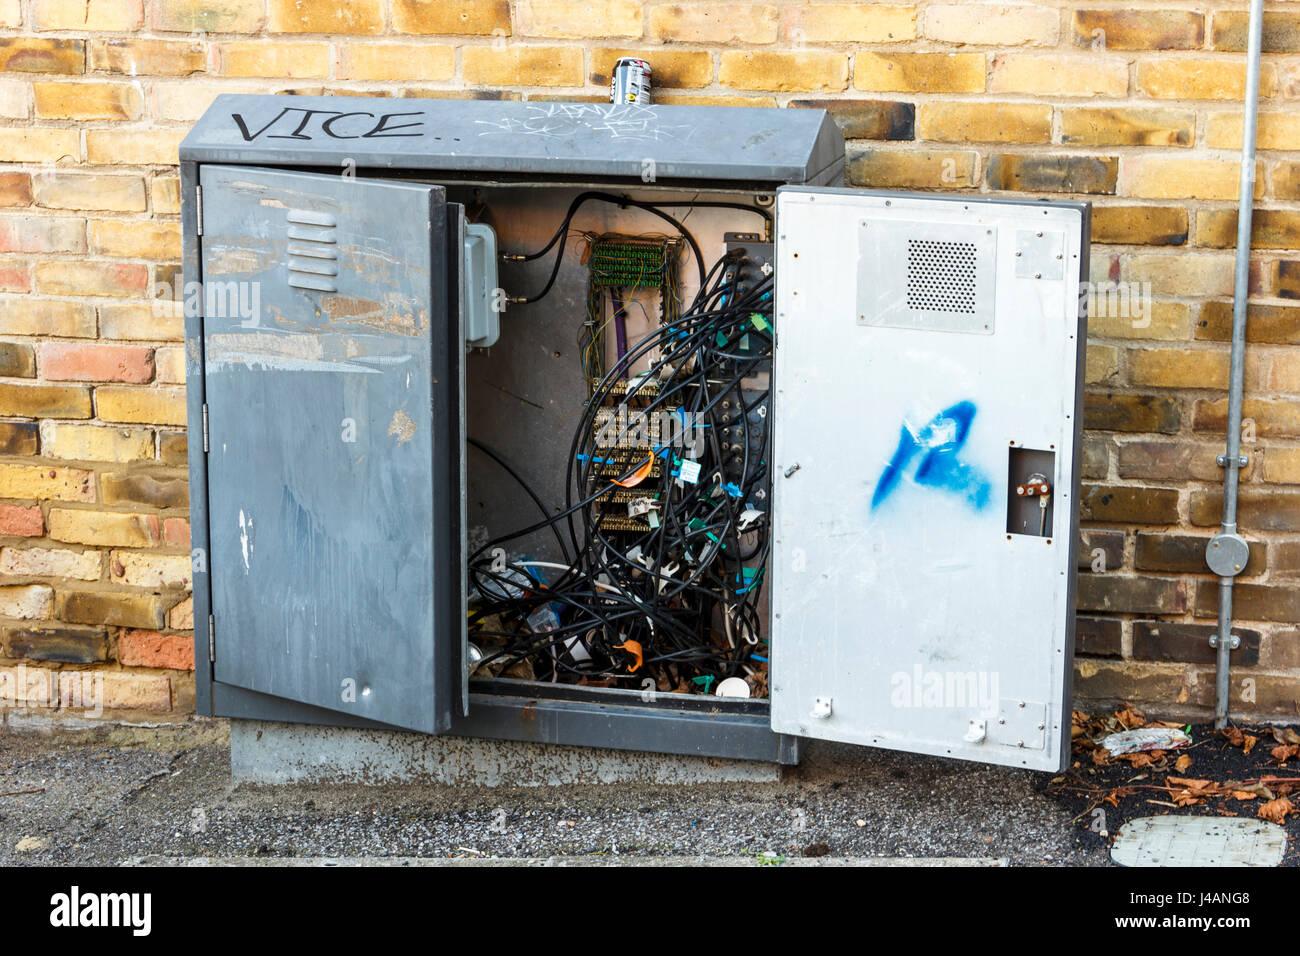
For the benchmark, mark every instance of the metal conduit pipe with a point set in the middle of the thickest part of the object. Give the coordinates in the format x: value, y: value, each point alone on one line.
x: 1227, y: 552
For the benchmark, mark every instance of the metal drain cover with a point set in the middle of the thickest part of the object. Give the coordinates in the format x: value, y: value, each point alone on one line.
x: 1199, y: 841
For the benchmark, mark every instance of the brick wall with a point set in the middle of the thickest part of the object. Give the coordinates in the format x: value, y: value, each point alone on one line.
x: 1133, y: 105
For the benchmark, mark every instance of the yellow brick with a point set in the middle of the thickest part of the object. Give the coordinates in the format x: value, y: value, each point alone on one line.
x: 103, y: 528
x: 128, y: 691
x: 88, y: 191
x: 1138, y: 29
x: 147, y: 57
x: 1284, y: 372
x: 13, y: 99
x: 919, y: 72
x: 578, y: 18
x: 878, y: 168
x: 849, y: 23
x: 155, y: 147
x: 134, y: 239
x: 91, y: 16
x: 1166, y: 177
x: 149, y: 406
x: 1102, y: 362
x: 397, y: 61
x: 687, y: 99
x: 25, y: 315
x: 181, y: 617
x: 144, y: 570
x: 784, y: 72
x: 52, y: 563
x: 999, y: 26
x: 169, y: 366
x: 1201, y: 79
x: 39, y: 145
x: 209, y: 16
x: 29, y: 602
x: 42, y: 55
x: 158, y: 321
x: 714, y: 23
x: 44, y: 482
x: 673, y: 69
x: 275, y: 59
x: 1059, y: 75
x: 325, y: 16
x: 1179, y: 368
x: 452, y: 17
x: 984, y: 122
x: 1182, y: 274
x: 88, y: 100
x: 44, y: 401
x: 1140, y: 225
x: 1117, y: 126
x: 184, y: 101
x: 1282, y: 465
x: 11, y: 13
x: 1170, y: 321
x: 1270, y: 228
x: 165, y: 192
x: 95, y: 442
x: 1276, y: 130
x: 1289, y: 79
x: 522, y: 66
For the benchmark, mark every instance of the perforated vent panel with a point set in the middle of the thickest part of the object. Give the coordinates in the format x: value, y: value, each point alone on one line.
x: 941, y: 276
x: 937, y: 275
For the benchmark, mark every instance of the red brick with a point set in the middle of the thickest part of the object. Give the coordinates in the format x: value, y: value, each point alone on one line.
x: 176, y: 531
x: 136, y: 648
x: 21, y: 522
x: 15, y: 189
x: 15, y: 277
x: 78, y: 362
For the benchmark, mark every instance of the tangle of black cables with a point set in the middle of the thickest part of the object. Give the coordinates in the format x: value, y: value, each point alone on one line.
x: 677, y: 603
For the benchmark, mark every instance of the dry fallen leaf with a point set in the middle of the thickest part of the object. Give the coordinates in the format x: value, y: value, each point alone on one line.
x: 1244, y: 795
x: 1249, y: 744
x: 1131, y: 717
x: 1284, y: 753
x: 1183, y: 762
x: 1276, y: 810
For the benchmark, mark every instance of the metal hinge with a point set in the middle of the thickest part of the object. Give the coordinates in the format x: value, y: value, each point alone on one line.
x: 212, y: 638
x: 205, y: 427
x: 198, y: 207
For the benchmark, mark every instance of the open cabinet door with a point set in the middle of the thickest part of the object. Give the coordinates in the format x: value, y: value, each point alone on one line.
x: 331, y: 376
x: 928, y: 377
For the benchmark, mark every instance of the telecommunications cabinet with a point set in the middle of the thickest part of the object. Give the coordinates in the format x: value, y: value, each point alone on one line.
x: 926, y: 389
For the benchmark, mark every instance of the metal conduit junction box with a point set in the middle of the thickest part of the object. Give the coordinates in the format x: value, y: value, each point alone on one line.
x: 895, y: 420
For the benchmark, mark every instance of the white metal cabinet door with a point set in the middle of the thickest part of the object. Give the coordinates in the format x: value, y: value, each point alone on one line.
x: 928, y: 363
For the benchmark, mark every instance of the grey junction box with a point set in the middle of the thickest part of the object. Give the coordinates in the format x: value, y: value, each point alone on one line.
x: 925, y: 418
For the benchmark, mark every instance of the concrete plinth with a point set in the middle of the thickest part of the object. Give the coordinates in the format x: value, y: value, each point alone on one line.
x: 279, y: 753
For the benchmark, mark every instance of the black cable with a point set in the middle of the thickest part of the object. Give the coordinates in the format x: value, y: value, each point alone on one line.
x: 630, y: 620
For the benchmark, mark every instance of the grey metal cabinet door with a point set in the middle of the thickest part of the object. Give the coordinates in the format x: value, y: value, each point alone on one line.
x: 330, y: 360
x: 928, y: 374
